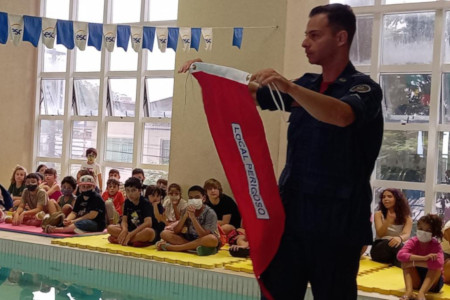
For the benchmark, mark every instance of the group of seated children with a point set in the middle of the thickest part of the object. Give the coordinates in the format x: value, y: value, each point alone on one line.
x: 420, y: 257
x: 134, y: 214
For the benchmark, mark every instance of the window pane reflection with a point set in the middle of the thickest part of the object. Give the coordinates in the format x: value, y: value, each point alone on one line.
x: 403, y: 156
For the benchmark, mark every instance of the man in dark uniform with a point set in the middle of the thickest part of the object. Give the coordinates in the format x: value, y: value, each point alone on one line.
x: 334, y: 136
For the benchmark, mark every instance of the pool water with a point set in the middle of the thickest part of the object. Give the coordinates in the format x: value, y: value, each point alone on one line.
x: 23, y: 277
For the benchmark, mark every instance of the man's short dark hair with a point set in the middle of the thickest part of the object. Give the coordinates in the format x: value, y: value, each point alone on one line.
x: 137, y: 171
x: 340, y: 17
x: 36, y: 176
x: 198, y: 189
x: 133, y: 182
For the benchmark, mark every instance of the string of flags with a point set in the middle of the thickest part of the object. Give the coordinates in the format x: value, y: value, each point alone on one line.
x: 73, y: 33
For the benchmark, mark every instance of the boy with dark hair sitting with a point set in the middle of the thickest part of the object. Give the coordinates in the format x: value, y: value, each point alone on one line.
x: 202, y: 233
x: 139, y: 227
x: 113, y: 201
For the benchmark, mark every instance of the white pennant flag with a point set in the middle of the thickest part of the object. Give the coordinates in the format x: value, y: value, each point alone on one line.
x: 162, y: 34
x: 110, y: 33
x: 16, y: 28
x: 80, y: 30
x: 208, y: 37
x: 136, y: 38
x: 185, y: 34
x: 48, y: 32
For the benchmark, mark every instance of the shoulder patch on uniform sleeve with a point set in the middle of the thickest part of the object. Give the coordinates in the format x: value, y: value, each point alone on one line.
x: 361, y: 88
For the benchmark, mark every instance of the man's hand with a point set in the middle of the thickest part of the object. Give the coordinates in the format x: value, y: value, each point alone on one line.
x: 270, y: 76
x: 185, y: 67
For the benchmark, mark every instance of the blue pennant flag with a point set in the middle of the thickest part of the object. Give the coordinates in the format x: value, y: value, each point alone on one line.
x: 173, y: 38
x: 149, y: 38
x: 32, y: 27
x: 123, y: 36
x: 195, y: 37
x: 237, y: 37
x: 64, y: 33
x: 95, y: 35
x: 3, y: 27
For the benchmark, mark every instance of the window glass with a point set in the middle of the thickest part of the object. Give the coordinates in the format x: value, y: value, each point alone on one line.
x: 57, y: 9
x: 74, y: 168
x: 84, y: 136
x: 444, y: 108
x: 403, y: 156
x: 52, y: 97
x: 442, y: 204
x: 50, y: 138
x: 122, y: 60
x: 122, y: 97
x: 126, y: 11
x: 88, y: 60
x: 447, y: 38
x: 406, y: 97
x: 86, y: 94
x: 159, y: 97
x: 160, y: 10
x: 156, y: 146
x: 55, y: 59
x: 408, y: 38
x: 152, y: 176
x: 90, y: 11
x: 361, y: 50
x: 160, y: 61
x: 354, y: 2
x: 125, y: 173
x: 405, y: 1
x: 119, y: 142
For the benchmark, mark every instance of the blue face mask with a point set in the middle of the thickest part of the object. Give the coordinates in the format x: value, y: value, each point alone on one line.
x: 67, y: 192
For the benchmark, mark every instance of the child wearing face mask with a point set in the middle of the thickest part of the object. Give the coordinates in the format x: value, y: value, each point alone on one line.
x: 67, y: 201
x: 422, y: 259
x: 173, y: 205
x: 202, y: 233
x: 34, y: 200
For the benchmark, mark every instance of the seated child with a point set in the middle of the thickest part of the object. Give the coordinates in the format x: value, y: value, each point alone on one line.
x: 115, y: 174
x: 162, y: 184
x: 80, y: 174
x: 34, y: 200
x: 139, y: 227
x: 113, y: 201
x: 41, y: 169
x: 67, y: 201
x: 422, y: 259
x: 446, y: 248
x: 50, y: 185
x: 173, y: 205
x: 154, y: 195
x: 224, y: 206
x: 17, y: 185
x: 6, y: 203
x: 202, y: 232
x: 139, y: 174
x: 88, y: 214
x: 239, y: 246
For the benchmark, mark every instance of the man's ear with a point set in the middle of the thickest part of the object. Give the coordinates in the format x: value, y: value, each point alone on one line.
x: 342, y: 37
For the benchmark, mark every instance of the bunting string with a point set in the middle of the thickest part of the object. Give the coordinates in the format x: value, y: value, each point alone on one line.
x: 71, y: 34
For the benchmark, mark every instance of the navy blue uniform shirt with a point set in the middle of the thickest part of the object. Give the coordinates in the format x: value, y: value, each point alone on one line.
x: 330, y: 162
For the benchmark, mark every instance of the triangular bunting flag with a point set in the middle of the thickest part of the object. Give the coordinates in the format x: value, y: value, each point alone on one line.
x: 48, y: 32
x: 185, y: 34
x: 32, y: 27
x: 136, y: 38
x: 4, y: 27
x: 80, y: 34
x: 161, y: 35
x: 95, y: 35
x: 148, y: 38
x: 123, y: 36
x: 172, y: 41
x: 237, y: 37
x: 16, y: 27
x: 195, y: 37
x: 208, y: 37
x: 64, y: 34
x: 109, y: 32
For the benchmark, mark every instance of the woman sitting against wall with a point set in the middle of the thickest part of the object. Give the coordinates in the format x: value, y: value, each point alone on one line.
x: 393, y: 225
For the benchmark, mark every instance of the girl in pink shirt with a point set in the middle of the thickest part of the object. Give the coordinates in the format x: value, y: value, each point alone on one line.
x: 422, y: 259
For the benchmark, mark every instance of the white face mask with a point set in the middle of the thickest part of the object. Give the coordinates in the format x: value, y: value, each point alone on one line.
x: 196, y: 203
x: 174, y: 198
x: 423, y: 236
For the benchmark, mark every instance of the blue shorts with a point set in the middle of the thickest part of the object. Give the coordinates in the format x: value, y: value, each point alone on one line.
x: 423, y: 273
x: 87, y: 225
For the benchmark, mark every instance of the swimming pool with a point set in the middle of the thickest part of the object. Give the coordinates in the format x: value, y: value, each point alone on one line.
x: 32, y: 271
